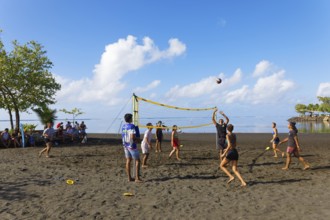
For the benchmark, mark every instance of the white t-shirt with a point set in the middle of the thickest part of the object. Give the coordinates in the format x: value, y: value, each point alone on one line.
x: 146, y: 138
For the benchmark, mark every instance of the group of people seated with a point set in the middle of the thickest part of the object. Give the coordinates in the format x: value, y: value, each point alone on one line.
x: 72, y: 131
x: 14, y: 138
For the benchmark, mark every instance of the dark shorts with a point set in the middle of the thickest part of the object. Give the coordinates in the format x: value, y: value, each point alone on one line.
x: 276, y: 140
x: 221, y: 145
x: 159, y: 137
x: 47, y: 140
x: 232, y: 155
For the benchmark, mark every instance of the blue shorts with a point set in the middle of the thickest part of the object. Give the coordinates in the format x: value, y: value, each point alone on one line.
x: 132, y: 153
x: 276, y: 141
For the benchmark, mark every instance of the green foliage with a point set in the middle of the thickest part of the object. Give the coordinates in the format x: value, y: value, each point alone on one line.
x: 324, y: 106
x: 74, y: 112
x: 45, y: 114
x: 301, y: 108
x: 29, y: 127
x: 25, y: 79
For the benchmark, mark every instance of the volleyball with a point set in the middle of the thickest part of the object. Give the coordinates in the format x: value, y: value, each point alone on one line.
x: 219, y: 80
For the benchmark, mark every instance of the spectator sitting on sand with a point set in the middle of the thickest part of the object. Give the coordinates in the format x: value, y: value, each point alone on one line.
x: 293, y: 147
x: 231, y: 155
x: 5, y: 138
x: 15, y: 137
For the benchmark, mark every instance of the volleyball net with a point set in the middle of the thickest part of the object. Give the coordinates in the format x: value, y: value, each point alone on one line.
x: 148, y: 111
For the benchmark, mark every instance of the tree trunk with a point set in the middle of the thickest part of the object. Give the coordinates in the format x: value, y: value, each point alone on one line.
x: 11, y: 119
x: 17, y: 117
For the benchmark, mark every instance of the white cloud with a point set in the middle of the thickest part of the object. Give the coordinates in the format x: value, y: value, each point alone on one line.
x: 118, y: 60
x: 237, y: 95
x: 271, y: 88
x: 204, y: 87
x: 152, y: 85
x: 261, y: 68
x: 324, y: 89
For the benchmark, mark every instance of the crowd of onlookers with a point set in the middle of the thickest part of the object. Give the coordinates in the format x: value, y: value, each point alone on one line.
x: 69, y: 133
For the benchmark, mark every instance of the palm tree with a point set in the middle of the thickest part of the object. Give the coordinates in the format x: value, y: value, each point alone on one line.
x: 45, y: 114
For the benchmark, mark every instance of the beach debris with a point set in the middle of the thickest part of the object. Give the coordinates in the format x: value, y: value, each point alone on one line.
x: 128, y: 194
x: 69, y: 181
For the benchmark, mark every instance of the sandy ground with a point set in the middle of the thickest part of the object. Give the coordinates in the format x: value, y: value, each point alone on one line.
x: 194, y: 188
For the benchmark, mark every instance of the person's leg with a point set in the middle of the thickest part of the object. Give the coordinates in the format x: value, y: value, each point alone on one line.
x: 235, y: 170
x: 144, y: 160
x: 223, y: 164
x: 274, y: 149
x: 137, y: 166
x: 160, y: 146
x: 288, y: 161
x: 171, y: 153
x: 301, y: 160
x: 128, y: 168
x: 177, y: 152
x: 157, y: 145
x: 49, y: 146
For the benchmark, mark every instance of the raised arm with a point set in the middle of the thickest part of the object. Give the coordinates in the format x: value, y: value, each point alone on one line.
x: 213, y: 116
x: 225, y: 116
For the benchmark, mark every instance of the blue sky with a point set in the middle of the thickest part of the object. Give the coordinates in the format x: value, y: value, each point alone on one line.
x: 270, y: 55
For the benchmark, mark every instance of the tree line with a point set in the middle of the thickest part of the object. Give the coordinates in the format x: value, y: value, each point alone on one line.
x: 26, y: 82
x: 323, y: 107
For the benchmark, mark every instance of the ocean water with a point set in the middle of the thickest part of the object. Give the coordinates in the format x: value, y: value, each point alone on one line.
x: 242, y: 124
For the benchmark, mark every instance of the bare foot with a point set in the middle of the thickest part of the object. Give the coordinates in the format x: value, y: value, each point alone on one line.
x: 230, y: 180
x: 285, y: 168
x: 307, y: 167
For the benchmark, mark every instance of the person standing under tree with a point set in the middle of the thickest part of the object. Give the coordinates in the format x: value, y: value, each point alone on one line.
x: 221, y: 131
x: 130, y: 147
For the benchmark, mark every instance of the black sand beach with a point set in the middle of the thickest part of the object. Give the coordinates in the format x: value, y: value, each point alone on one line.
x: 194, y: 188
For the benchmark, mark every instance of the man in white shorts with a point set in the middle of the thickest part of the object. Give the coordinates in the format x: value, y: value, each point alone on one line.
x: 146, y: 144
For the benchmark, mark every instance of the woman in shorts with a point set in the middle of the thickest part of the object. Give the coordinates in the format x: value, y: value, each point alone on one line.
x: 231, y: 155
x: 275, y: 140
x: 293, y: 147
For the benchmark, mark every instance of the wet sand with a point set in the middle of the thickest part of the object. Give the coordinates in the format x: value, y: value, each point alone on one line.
x: 194, y: 188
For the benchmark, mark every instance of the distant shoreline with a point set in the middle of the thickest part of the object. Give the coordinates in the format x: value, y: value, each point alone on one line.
x: 309, y: 118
